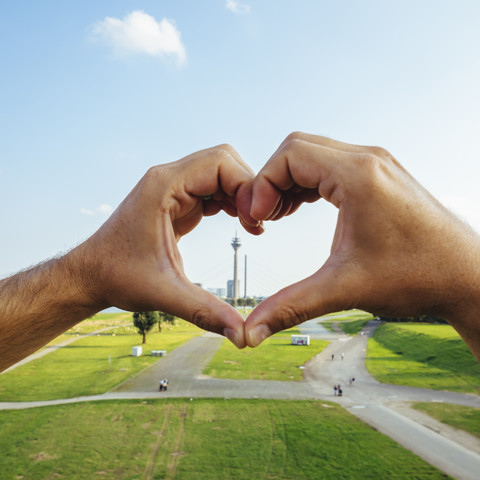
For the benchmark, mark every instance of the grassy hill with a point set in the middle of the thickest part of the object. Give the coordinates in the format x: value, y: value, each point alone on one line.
x: 422, y: 355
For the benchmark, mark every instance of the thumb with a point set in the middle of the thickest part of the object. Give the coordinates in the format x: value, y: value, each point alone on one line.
x: 208, y: 312
x: 312, y: 297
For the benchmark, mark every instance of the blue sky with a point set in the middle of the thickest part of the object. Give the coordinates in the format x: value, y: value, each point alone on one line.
x: 93, y: 93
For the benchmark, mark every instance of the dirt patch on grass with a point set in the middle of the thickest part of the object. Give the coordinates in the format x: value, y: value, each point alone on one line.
x: 42, y: 456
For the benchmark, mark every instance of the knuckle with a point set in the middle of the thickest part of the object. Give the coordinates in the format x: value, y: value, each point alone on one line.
x: 369, y: 163
x: 153, y: 172
x: 295, y: 136
x: 374, y: 171
x: 292, y: 145
x: 155, y: 176
x: 226, y: 149
x: 380, y: 152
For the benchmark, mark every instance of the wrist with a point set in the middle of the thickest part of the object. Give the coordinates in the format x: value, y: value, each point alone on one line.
x: 464, y: 312
x: 81, y: 273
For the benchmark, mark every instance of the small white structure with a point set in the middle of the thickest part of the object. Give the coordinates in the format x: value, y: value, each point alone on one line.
x: 300, y: 339
x: 158, y: 353
x: 136, y: 351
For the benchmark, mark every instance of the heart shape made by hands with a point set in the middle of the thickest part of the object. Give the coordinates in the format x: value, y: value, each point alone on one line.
x: 391, y: 253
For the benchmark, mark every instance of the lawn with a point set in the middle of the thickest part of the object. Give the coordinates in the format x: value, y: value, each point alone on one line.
x: 92, y: 324
x: 457, y: 416
x: 101, y: 321
x: 274, y: 359
x: 201, y: 439
x: 90, y: 365
x: 422, y: 355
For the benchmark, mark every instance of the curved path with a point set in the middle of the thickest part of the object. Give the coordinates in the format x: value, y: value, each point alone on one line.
x: 383, y: 406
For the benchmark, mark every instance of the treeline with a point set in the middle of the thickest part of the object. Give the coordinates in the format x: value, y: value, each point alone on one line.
x: 416, y: 318
x: 242, y: 302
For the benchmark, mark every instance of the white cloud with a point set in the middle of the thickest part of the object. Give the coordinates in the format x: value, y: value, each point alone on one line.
x: 139, y: 32
x: 237, y: 7
x: 86, y: 211
x: 103, y: 209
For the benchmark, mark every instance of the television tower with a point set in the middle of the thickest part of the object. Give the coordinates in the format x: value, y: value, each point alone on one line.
x: 236, y: 245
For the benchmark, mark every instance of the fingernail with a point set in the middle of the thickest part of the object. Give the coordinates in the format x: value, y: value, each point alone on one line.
x: 232, y: 335
x: 259, y: 334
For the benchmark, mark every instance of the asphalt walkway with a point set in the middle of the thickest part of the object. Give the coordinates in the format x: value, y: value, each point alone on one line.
x: 183, y: 368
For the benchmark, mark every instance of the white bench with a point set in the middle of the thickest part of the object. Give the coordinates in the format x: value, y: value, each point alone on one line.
x: 158, y: 353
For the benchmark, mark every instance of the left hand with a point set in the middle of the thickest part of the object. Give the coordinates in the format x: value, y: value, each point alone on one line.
x: 132, y: 262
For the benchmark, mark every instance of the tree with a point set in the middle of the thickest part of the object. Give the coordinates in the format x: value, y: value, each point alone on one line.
x: 164, y: 318
x: 144, y: 322
x: 250, y: 302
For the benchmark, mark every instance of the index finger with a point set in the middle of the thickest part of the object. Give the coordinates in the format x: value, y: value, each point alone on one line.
x: 299, y: 163
x: 216, y: 173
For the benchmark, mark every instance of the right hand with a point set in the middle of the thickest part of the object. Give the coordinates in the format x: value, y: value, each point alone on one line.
x: 396, y: 251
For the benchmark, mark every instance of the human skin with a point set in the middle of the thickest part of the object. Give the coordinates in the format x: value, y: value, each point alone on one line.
x: 132, y: 261
x: 396, y: 251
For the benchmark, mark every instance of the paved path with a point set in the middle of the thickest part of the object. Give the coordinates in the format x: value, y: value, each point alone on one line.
x: 183, y: 368
x: 385, y: 407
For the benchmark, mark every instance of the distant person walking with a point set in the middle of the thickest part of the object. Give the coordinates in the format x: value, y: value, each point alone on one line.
x: 343, y: 355
x: 163, y: 385
x: 333, y: 356
x: 340, y: 391
x: 335, y: 390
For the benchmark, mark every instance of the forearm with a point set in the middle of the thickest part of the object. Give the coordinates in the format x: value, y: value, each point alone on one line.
x: 41, y: 303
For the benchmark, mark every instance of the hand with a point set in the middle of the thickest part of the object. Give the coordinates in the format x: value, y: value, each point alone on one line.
x: 396, y: 250
x: 133, y: 262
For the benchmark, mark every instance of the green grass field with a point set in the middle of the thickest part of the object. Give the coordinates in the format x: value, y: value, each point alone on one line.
x: 202, y: 439
x: 92, y: 324
x: 457, y: 416
x: 90, y: 365
x: 274, y: 359
x: 422, y: 355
